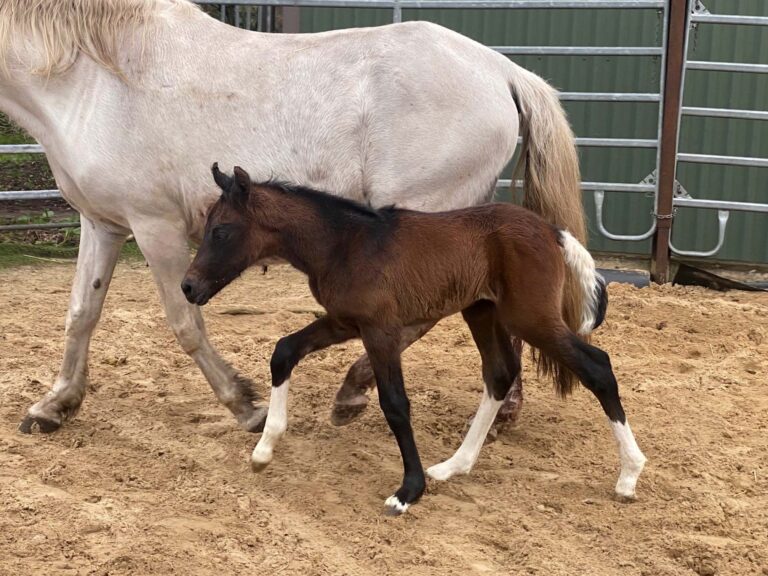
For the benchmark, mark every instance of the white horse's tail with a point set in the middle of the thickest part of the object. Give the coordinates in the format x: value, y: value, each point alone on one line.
x: 551, y: 177
x: 594, y: 294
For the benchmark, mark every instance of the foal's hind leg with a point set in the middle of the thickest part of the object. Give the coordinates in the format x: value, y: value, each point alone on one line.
x: 289, y: 352
x: 513, y: 402
x: 593, y: 368
x: 501, y: 367
x: 352, y: 398
x: 99, y: 249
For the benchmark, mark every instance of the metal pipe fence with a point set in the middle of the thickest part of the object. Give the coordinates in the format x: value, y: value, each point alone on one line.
x: 247, y: 13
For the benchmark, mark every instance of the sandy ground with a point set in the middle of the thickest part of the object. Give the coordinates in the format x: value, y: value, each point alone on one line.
x: 152, y: 475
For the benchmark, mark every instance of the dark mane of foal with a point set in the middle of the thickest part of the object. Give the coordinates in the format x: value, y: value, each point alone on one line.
x: 333, y: 209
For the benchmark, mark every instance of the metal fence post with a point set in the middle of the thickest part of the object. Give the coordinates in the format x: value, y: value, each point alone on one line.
x: 670, y: 129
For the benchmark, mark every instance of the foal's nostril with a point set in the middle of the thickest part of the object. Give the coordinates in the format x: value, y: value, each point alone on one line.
x: 186, y: 287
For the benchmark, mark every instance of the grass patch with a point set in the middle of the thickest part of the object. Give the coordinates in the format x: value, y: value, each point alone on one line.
x: 22, y: 171
x: 18, y: 254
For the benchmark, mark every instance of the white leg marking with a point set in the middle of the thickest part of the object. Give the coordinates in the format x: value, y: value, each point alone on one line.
x: 466, y: 455
x: 274, y: 428
x: 394, y: 504
x: 632, y: 459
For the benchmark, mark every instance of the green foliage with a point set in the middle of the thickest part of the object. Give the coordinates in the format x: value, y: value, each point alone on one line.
x: 23, y: 254
x: 12, y: 134
x: 43, y: 218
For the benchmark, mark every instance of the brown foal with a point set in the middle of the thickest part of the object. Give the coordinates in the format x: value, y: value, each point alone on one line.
x: 380, y: 272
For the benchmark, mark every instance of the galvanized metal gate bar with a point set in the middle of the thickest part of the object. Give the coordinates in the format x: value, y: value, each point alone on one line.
x: 728, y: 19
x: 725, y: 113
x: 597, y: 186
x: 727, y: 67
x: 32, y: 195
x: 21, y: 149
x: 579, y: 50
x: 609, y: 97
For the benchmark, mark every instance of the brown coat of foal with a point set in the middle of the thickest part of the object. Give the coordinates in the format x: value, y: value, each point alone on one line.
x: 377, y: 272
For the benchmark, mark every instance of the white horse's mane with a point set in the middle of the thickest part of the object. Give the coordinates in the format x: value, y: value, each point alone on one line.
x: 62, y: 29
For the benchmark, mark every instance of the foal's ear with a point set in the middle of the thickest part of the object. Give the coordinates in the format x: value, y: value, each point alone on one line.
x: 222, y: 180
x: 242, y: 182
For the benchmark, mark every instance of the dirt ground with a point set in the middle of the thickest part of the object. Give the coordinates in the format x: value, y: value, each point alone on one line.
x: 152, y: 476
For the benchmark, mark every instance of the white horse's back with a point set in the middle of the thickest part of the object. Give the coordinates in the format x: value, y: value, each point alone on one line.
x: 409, y: 114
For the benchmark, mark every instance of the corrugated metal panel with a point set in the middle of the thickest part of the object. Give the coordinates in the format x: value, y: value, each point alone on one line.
x: 324, y: 19
x: 747, y: 237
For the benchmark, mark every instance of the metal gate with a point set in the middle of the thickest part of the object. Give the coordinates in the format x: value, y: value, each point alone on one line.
x: 701, y: 16
x: 677, y: 17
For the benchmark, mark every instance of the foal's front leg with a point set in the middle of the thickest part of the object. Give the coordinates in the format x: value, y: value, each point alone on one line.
x: 289, y: 352
x: 383, y: 348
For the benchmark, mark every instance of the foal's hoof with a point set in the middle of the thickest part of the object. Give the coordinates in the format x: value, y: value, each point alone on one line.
x: 32, y: 424
x: 258, y: 467
x: 393, y: 506
x: 343, y: 414
x: 509, y: 413
x: 624, y: 498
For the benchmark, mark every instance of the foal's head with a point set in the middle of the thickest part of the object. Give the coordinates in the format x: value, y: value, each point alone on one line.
x: 231, y: 243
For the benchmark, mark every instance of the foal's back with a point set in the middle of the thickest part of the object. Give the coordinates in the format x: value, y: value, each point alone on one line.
x: 420, y: 266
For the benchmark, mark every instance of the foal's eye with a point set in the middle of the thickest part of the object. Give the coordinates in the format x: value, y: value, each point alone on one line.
x: 219, y: 233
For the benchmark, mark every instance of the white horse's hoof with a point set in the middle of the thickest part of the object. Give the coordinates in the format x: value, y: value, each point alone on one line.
x: 394, y: 507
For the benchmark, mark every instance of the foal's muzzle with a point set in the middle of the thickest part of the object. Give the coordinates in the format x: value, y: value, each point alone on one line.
x: 194, y: 293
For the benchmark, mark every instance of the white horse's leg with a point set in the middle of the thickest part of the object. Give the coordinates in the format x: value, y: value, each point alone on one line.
x: 99, y: 249
x: 164, y: 245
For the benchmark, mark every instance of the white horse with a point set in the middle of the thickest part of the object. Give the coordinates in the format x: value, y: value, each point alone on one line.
x: 133, y: 99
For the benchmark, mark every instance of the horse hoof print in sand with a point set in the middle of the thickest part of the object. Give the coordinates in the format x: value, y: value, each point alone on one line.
x: 378, y: 272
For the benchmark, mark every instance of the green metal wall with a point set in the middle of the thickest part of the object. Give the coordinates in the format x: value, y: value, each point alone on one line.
x: 747, y: 236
